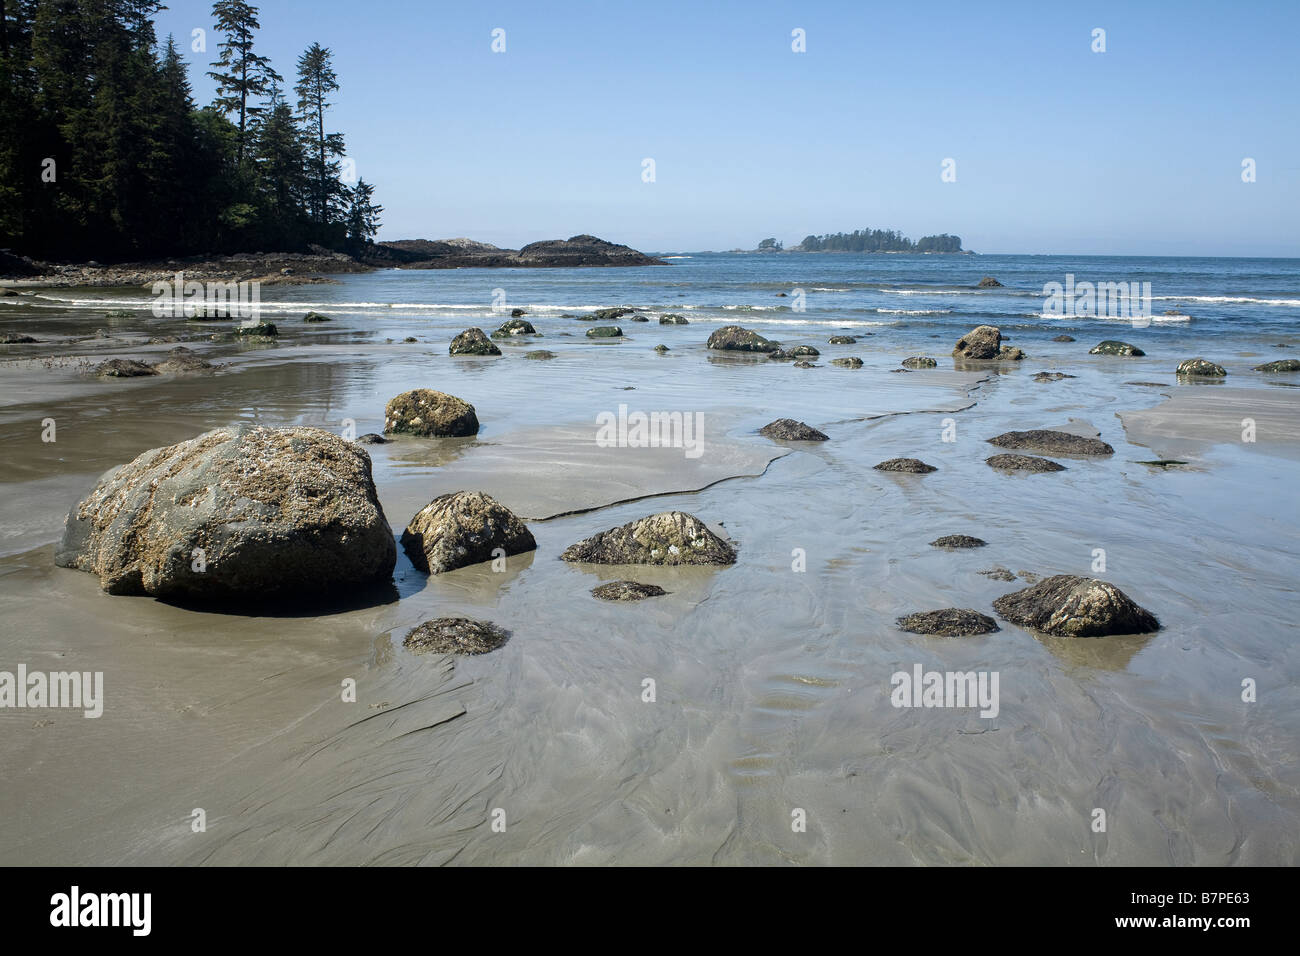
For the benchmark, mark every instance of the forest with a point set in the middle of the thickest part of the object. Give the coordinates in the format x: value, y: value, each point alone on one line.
x: 879, y: 240
x: 104, y: 154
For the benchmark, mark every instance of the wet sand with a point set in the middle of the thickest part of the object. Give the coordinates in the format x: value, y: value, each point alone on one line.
x: 772, y: 685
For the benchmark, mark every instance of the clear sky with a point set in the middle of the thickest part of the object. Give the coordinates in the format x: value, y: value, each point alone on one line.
x: 1057, y: 149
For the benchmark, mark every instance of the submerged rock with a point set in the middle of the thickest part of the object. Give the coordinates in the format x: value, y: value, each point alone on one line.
x: 539, y: 354
x: 472, y: 342
x: 851, y: 361
x: 948, y: 622
x: 515, y: 326
x: 956, y: 541
x: 988, y: 282
x: 1052, y: 376
x: 615, y: 313
x: 1064, y: 338
x: 733, y: 338
x: 605, y: 332
x: 998, y: 573
x: 455, y: 635
x: 805, y: 365
x: 370, y: 438
x: 843, y: 340
x: 1285, y: 365
x: 247, y: 512
x: 1113, y: 347
x: 981, y: 342
x: 463, y: 528
x: 787, y: 429
x: 517, y: 313
x: 262, y: 330
x: 181, y: 359
x: 668, y: 538
x: 1023, y: 463
x: 662, y: 348
x: 1200, y: 368
x: 627, y: 591
x: 124, y: 368
x: 912, y: 466
x: 1072, y: 606
x: 316, y: 317
x: 673, y: 319
x: 1045, y: 440
x: 1009, y: 353
x: 430, y: 414
x: 14, y: 338
x: 920, y: 361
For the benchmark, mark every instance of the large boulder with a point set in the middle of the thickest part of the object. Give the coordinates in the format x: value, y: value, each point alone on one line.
x: 1114, y: 347
x: 463, y: 528
x: 670, y: 538
x: 981, y: 342
x: 472, y: 342
x: 734, y: 338
x: 1052, y: 442
x: 246, y: 512
x: 430, y: 414
x: 1200, y: 368
x: 1071, y: 606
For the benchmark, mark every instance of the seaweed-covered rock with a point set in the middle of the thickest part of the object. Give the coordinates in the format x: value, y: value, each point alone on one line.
x: 455, y: 635
x: 673, y: 319
x: 734, y: 338
x: 181, y: 359
x: 261, y: 330
x: 1114, y: 347
x: 919, y: 361
x: 988, y: 282
x: 315, y: 317
x: 246, y: 513
x: 981, y: 342
x: 948, y: 622
x: 1052, y: 376
x: 1200, y: 368
x: 605, y: 332
x: 627, y: 591
x: 1023, y: 463
x: 1284, y: 365
x: 463, y: 528
x: 851, y: 361
x: 787, y: 429
x: 1052, y: 442
x: 610, y: 314
x: 514, y: 326
x: 430, y: 414
x: 124, y: 368
x: 1072, y: 606
x: 472, y: 342
x: 911, y: 466
x: 539, y: 355
x: 668, y: 538
x: 999, y: 573
x: 953, y: 542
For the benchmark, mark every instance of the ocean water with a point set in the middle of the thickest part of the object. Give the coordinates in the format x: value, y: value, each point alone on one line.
x: 773, y: 675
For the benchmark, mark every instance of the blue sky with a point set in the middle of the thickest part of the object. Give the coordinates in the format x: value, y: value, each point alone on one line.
x: 1058, y: 149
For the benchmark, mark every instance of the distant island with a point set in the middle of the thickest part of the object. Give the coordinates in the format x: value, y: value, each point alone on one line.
x: 583, y: 250
x: 869, y: 240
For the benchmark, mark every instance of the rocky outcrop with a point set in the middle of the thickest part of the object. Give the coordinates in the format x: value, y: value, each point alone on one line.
x: 787, y: 429
x: 911, y: 466
x: 515, y: 326
x: 627, y: 591
x: 668, y: 538
x: 430, y: 414
x: 472, y: 342
x: 1200, y: 368
x: 952, y: 542
x: 988, y: 282
x: 1052, y: 442
x: 734, y: 338
x: 1071, y: 606
x: 463, y: 528
x: 455, y: 635
x: 948, y: 622
x: 582, y: 250
x: 981, y: 342
x: 920, y: 361
x: 1023, y: 463
x: 1114, y: 347
x: 247, y: 513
